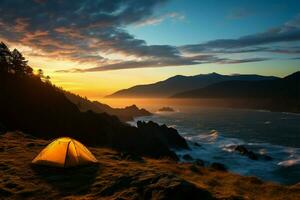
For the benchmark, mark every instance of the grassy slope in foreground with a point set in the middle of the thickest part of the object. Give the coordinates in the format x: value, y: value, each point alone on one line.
x: 117, y: 177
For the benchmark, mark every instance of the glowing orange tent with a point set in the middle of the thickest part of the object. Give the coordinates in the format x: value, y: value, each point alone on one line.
x: 64, y: 152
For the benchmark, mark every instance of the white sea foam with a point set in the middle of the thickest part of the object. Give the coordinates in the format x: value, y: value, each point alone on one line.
x: 288, y: 163
x: 210, y: 137
x: 219, y: 135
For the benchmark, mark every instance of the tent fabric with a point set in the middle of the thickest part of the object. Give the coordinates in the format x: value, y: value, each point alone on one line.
x: 64, y: 152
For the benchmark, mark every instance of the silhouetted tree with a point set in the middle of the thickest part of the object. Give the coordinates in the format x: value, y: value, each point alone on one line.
x: 40, y: 73
x: 19, y: 63
x: 13, y: 62
x: 5, y: 58
x: 28, y: 70
x: 47, y: 79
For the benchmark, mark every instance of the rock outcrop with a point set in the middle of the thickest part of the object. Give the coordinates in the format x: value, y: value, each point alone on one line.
x: 218, y: 166
x: 124, y: 114
x: 166, y: 109
x: 250, y: 154
x: 167, y: 135
x: 187, y: 157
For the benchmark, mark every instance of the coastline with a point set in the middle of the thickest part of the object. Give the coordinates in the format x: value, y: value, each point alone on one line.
x: 154, y: 104
x: 211, y: 141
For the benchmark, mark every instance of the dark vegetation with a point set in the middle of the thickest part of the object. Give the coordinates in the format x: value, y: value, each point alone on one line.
x: 30, y: 103
x: 275, y: 95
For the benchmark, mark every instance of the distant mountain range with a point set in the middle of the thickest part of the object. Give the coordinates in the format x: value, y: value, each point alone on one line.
x: 177, y: 84
x: 235, y: 91
x: 274, y: 88
x: 278, y: 94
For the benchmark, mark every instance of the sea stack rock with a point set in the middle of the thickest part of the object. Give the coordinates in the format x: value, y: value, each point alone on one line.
x: 166, y: 109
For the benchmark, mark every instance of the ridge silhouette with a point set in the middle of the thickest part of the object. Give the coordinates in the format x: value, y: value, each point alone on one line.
x: 30, y: 103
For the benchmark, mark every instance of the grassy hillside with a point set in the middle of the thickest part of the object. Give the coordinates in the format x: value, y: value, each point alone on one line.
x: 30, y: 103
x: 123, y: 177
x: 38, y: 108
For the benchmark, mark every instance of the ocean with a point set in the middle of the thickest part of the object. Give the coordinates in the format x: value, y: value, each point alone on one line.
x: 218, y: 129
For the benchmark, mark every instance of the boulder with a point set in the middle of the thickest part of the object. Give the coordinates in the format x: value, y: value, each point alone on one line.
x: 267, y: 158
x: 197, y: 144
x: 187, y: 157
x: 166, y: 109
x: 218, y: 166
x: 250, y: 154
x: 244, y: 151
x: 199, y: 162
x: 241, y: 149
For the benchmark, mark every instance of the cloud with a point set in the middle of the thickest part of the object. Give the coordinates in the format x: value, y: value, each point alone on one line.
x: 285, y: 50
x: 89, y: 30
x: 154, y: 62
x: 288, y: 32
x: 70, y: 29
x: 157, y: 20
x: 295, y: 58
x: 247, y: 60
x: 181, y: 61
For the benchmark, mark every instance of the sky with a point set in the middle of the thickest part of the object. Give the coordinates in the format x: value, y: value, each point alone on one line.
x: 96, y: 47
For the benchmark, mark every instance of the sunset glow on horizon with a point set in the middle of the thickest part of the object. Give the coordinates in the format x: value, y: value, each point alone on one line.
x: 96, y: 50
